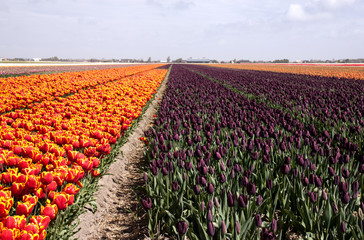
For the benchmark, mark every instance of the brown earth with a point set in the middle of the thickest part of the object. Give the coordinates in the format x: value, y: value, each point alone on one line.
x: 118, y: 214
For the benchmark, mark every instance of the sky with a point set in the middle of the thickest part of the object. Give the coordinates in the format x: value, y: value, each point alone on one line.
x: 213, y: 29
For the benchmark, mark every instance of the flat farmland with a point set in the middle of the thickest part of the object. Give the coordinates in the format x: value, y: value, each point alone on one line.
x: 183, y: 151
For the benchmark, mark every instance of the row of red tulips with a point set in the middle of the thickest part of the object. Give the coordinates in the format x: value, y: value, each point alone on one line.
x: 46, y: 151
x: 21, y: 92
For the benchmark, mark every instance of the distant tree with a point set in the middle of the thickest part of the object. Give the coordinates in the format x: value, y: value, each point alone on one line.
x: 55, y: 58
x: 214, y: 61
x: 149, y: 59
x: 243, y: 61
x: 168, y: 59
x: 179, y: 60
x: 281, y: 61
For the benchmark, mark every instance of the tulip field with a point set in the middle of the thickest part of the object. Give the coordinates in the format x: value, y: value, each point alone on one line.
x: 355, y: 71
x: 13, y: 71
x: 234, y: 152
x: 243, y: 154
x: 58, y: 132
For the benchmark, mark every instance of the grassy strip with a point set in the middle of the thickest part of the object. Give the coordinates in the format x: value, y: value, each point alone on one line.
x: 65, y: 226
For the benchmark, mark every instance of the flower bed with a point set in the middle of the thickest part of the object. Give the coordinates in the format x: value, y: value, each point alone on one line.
x: 227, y: 159
x: 52, y: 150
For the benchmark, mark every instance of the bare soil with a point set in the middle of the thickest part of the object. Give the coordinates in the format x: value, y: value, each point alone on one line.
x: 118, y: 214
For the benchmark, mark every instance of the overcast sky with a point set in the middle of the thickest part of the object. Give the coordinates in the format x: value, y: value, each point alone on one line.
x: 215, y: 29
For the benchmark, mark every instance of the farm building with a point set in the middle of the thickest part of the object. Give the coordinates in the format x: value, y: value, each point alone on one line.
x: 204, y: 60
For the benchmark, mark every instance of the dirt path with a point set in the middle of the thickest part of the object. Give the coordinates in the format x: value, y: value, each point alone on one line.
x: 116, y: 216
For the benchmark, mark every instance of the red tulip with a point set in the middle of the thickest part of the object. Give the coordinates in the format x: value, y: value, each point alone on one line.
x: 17, y: 189
x: 41, y: 221
x: 71, y: 189
x: 46, y: 177
x: 24, y: 208
x: 9, y: 234
x: 95, y: 173
x: 49, y: 210
x: 17, y: 222
x: 60, y: 199
x: 5, y: 205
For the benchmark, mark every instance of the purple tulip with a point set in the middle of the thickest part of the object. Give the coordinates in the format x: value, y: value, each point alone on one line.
x: 165, y: 171
x: 154, y: 170
x: 304, y: 181
x: 251, y: 188
x: 258, y: 220
x: 318, y: 181
x: 174, y: 186
x: 336, y: 180
x: 345, y: 198
x: 222, y: 178
x: 210, y: 205
x: 147, y: 203
x: 244, y: 181
x: 202, y: 206
x: 313, y: 197
x: 182, y: 227
x: 324, y: 195
x: 223, y: 228
x: 269, y: 184
x: 274, y: 225
x: 230, y: 199
x: 203, y: 170
x: 242, y: 201
x: 196, y: 189
x: 285, y: 168
x: 211, y: 170
x: 335, y: 208
x: 210, y: 229
x: 237, y: 227
x: 209, y: 216
x: 361, y: 168
x: 210, y: 188
x: 222, y: 166
x: 232, y: 173
x: 266, y: 159
x: 216, y: 201
x: 345, y: 172
x: 331, y: 171
x: 176, y: 137
x: 188, y: 165
x: 218, y: 157
x: 300, y: 160
x: 266, y: 235
x: 355, y: 186
x: 145, y: 176
x: 343, y: 187
x: 342, y: 227
x: 259, y: 200
x: 203, y: 181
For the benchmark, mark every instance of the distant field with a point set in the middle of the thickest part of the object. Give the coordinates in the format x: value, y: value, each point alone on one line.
x: 13, y: 69
x: 354, y: 71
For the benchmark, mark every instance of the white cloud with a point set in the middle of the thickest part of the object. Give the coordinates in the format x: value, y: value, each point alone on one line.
x: 297, y: 12
x: 318, y: 9
x: 335, y: 4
